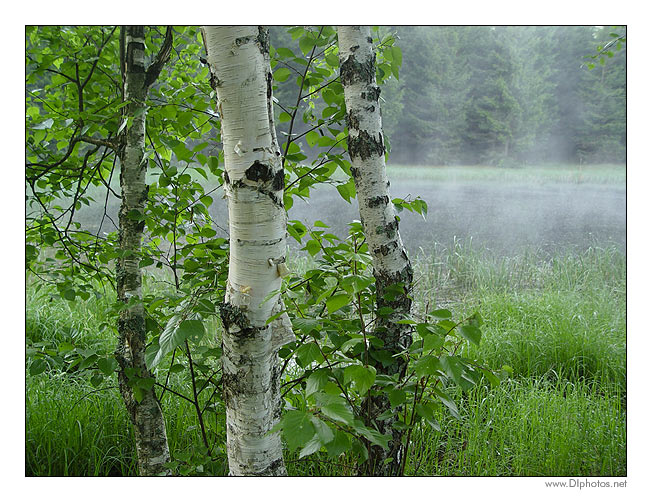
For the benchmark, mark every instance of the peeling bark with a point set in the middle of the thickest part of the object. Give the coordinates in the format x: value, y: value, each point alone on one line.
x: 146, y: 415
x: 254, y: 181
x: 390, y: 261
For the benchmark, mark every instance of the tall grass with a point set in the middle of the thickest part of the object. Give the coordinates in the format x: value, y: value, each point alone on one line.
x: 563, y: 313
x: 50, y: 319
x: 76, y: 430
x: 527, y: 428
x: 557, y: 320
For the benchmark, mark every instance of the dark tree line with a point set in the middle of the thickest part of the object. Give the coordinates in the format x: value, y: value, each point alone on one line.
x: 506, y: 95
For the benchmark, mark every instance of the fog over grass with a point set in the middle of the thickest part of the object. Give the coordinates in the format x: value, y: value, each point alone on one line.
x: 504, y: 211
x: 503, y: 216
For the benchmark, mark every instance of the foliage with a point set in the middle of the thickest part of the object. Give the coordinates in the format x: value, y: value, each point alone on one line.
x: 503, y: 95
x: 540, y: 422
x: 74, y: 116
x: 332, y: 367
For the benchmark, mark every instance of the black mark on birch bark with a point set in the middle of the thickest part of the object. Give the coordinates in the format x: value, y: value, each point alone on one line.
x: 273, y: 468
x: 232, y: 315
x: 365, y: 146
x: 378, y: 200
x: 372, y: 94
x: 385, y: 249
x: 274, y: 180
x: 278, y: 183
x: 351, y: 71
x: 390, y: 230
x: 263, y: 39
x: 259, y: 172
x: 352, y: 120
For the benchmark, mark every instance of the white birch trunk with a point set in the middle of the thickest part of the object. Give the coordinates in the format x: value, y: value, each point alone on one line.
x: 254, y: 182
x: 146, y: 415
x: 390, y: 260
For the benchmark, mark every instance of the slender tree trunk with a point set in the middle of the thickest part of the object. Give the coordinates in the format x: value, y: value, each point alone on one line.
x: 254, y: 182
x: 390, y: 260
x: 144, y: 409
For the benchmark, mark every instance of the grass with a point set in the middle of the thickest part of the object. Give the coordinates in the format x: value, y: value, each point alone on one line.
x: 558, y: 321
x: 557, y: 318
x: 533, y: 427
x: 76, y: 430
x: 563, y: 314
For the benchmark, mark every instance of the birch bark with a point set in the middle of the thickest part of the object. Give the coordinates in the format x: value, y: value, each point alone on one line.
x: 145, y: 412
x: 390, y: 260
x: 254, y: 180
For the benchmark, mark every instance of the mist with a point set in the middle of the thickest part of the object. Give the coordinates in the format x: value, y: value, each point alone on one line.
x: 504, y: 101
x: 504, y: 219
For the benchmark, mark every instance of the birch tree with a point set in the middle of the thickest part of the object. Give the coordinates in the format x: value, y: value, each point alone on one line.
x: 392, y: 269
x: 135, y: 380
x: 253, y: 184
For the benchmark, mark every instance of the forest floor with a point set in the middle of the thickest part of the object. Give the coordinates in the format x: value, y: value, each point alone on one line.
x: 554, y: 313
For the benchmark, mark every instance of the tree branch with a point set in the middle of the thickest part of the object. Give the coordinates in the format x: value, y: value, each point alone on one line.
x: 161, y: 58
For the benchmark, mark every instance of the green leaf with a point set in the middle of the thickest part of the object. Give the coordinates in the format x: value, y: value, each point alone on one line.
x: 352, y: 343
x: 139, y: 394
x: 427, y: 365
x: 453, y: 367
x: 335, y: 407
x: 324, y: 432
x: 340, y: 444
x: 313, y: 247
x: 284, y: 52
x: 332, y: 60
x: 471, y: 333
x: 306, y: 325
x: 396, y: 397
x: 69, y: 294
x: 282, y: 74
x: 336, y: 302
x: 107, y: 365
x: 493, y: 379
x: 316, y: 381
x: 448, y: 402
x: 88, y: 362
x: 311, y: 447
x: 191, y: 329
x: 372, y: 435
x: 426, y: 410
x: 175, y: 333
x: 432, y: 343
x: 38, y: 366
x: 363, y: 376
x: 347, y: 190
x: 307, y: 353
x: 441, y: 314
x: 297, y: 428
x: 135, y: 215
x: 383, y: 356
x: 150, y: 354
x: 360, y: 449
x: 397, y: 55
x: 307, y: 43
x: 97, y: 379
x: 312, y: 137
